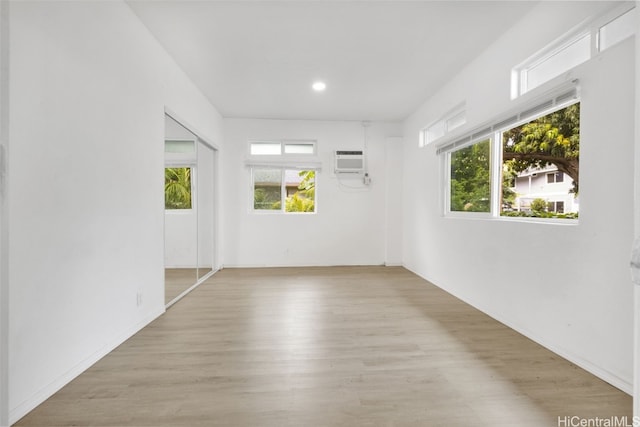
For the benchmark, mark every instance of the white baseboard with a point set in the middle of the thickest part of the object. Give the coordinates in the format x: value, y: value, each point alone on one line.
x: 22, y: 409
x: 609, y: 377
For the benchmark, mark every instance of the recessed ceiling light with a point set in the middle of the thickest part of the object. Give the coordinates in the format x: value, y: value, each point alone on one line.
x: 319, y: 86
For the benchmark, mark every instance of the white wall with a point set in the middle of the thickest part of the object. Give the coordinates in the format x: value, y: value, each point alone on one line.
x: 349, y: 226
x: 89, y: 90
x: 4, y: 210
x: 566, y: 287
x: 394, y: 195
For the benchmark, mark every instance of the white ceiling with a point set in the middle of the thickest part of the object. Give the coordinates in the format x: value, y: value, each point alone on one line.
x: 380, y: 59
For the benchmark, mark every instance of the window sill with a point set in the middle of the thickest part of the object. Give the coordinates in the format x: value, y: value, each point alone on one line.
x: 526, y: 220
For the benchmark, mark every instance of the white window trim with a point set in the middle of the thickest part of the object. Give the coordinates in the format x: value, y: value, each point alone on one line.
x: 554, y: 100
x: 283, y: 143
x: 589, y: 27
x: 447, y: 180
x: 443, y: 121
x: 283, y: 190
x: 283, y: 161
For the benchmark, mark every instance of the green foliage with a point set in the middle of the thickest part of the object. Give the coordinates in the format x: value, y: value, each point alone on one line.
x: 297, y: 203
x: 177, y: 188
x: 551, y: 139
x: 304, y: 199
x: 471, y: 178
x: 539, y: 205
x: 266, y: 198
x: 531, y: 214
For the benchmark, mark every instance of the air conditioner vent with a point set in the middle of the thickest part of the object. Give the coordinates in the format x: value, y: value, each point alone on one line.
x: 349, y: 162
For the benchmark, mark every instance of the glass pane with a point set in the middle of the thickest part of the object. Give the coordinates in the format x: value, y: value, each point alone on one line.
x: 456, y: 121
x: 177, y: 188
x: 174, y: 146
x: 617, y: 30
x: 299, y: 148
x: 266, y: 148
x: 561, y: 61
x: 471, y: 178
x: 301, y: 191
x: 205, y: 192
x: 435, y: 131
x: 532, y: 153
x: 267, y: 189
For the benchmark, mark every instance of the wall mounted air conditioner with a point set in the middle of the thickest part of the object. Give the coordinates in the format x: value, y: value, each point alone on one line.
x: 349, y: 162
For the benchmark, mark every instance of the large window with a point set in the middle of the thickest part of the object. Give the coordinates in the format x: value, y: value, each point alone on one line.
x: 543, y: 150
x: 284, y: 190
x: 525, y: 166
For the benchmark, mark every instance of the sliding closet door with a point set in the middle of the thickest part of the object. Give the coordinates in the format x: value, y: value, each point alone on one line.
x: 206, y: 202
x: 190, y: 202
x: 181, y: 210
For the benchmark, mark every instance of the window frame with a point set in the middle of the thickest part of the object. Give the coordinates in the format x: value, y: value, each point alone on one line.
x: 282, y: 162
x: 591, y: 29
x: 555, y: 175
x: 283, y: 191
x: 558, y: 99
x: 283, y: 147
x: 453, y: 119
x: 448, y: 179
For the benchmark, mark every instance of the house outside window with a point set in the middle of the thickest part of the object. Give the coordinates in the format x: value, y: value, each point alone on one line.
x: 285, y: 190
x: 525, y: 166
x: 283, y: 176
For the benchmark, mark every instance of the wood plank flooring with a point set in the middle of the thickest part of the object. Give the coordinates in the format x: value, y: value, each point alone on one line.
x: 178, y: 280
x: 339, y: 346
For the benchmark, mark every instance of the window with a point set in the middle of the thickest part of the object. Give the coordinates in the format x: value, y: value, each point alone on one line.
x: 470, y: 178
x: 179, y: 146
x: 177, y: 188
x: 550, y: 141
x: 564, y: 58
x: 617, y: 30
x: 278, y: 148
x: 283, y: 175
x: 573, y: 49
x: 450, y: 121
x: 504, y: 169
x: 284, y: 190
x: 555, y: 206
x: 554, y: 177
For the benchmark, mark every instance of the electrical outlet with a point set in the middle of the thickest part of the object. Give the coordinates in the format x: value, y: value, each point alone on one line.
x: 139, y: 299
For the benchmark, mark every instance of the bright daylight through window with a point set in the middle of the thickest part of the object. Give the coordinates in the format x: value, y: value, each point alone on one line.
x: 284, y: 190
x: 538, y: 173
x: 471, y: 178
x: 283, y: 176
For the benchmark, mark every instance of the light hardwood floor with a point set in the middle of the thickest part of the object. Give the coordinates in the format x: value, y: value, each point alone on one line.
x: 339, y: 346
x: 178, y: 280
